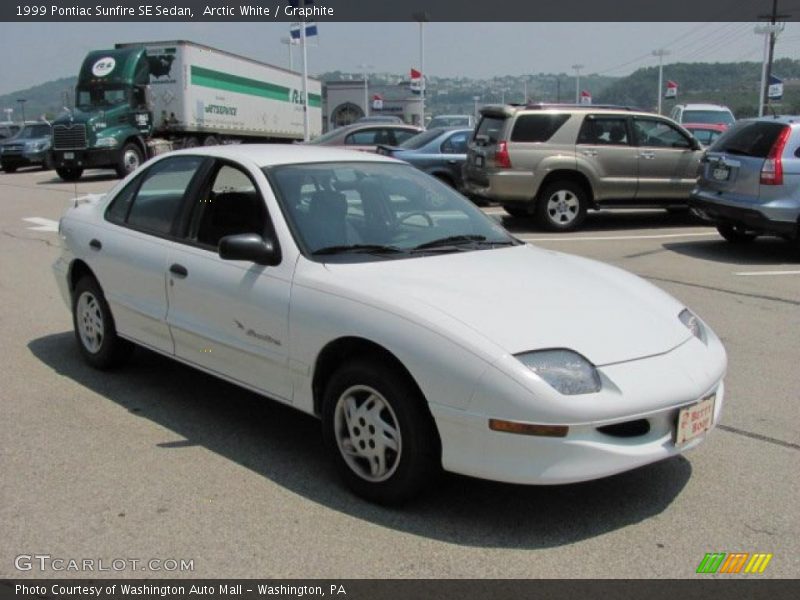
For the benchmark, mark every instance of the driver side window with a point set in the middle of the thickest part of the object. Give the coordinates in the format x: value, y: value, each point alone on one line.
x: 229, y: 205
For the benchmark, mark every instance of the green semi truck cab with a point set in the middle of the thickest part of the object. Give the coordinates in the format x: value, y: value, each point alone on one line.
x: 112, y: 119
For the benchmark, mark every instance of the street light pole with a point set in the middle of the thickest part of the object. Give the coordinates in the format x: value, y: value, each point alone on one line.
x: 365, y: 69
x: 288, y: 42
x: 660, y: 53
x: 22, y: 102
x: 421, y: 18
x: 577, y: 82
x: 475, y: 113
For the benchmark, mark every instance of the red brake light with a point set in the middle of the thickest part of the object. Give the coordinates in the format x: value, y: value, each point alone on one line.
x: 501, y: 158
x: 772, y: 171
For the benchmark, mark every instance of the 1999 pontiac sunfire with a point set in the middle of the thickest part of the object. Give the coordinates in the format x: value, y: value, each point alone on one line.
x: 365, y: 292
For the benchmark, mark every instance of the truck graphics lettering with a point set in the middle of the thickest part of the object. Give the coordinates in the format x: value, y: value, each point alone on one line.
x: 218, y: 109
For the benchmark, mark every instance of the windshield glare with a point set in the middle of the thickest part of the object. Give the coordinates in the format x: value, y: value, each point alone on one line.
x: 101, y: 97
x: 393, y: 206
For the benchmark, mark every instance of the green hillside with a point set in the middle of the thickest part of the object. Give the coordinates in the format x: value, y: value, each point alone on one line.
x: 46, y: 99
x: 733, y: 84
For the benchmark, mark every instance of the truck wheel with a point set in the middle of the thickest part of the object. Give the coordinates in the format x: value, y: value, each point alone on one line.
x: 210, y: 141
x: 190, y: 142
x: 561, y: 206
x: 69, y: 173
x: 736, y: 234
x: 378, y: 432
x: 129, y: 159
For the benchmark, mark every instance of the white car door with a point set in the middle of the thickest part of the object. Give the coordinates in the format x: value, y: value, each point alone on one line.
x: 129, y: 256
x: 230, y: 316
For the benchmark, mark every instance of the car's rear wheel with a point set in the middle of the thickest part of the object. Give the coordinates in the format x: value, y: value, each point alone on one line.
x: 516, y: 211
x: 378, y: 431
x: 562, y: 206
x: 94, y: 327
x: 736, y: 234
x: 69, y: 173
x: 10, y: 168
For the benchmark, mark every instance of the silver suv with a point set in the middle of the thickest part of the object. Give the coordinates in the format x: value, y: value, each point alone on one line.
x: 750, y: 180
x: 558, y: 161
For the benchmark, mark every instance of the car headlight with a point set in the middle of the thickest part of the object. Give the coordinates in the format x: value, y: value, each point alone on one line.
x: 693, y: 324
x: 564, y: 370
x: 106, y: 142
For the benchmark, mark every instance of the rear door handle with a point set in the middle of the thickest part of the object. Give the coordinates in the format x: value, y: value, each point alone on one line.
x: 589, y: 152
x: 95, y: 244
x: 178, y: 270
x: 647, y: 155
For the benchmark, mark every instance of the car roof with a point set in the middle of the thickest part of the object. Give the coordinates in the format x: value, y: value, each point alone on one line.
x: 268, y: 155
x: 719, y: 107
x: 787, y: 119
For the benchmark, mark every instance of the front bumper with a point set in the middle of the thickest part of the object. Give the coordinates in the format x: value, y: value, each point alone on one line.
x: 24, y: 159
x: 469, y: 447
x: 90, y: 158
x: 779, y: 217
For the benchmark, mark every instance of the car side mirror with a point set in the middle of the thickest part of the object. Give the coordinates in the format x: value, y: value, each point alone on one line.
x: 251, y: 247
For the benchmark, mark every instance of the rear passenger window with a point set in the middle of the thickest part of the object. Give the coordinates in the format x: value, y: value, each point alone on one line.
x: 160, y: 195
x: 537, y: 128
x: 612, y: 131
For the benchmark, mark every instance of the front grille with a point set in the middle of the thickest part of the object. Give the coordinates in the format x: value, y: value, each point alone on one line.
x: 69, y: 137
x: 628, y: 429
x: 15, y: 149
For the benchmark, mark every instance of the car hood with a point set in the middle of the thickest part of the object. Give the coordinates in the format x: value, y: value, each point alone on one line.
x: 520, y: 299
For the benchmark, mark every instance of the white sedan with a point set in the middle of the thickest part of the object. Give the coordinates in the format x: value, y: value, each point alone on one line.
x: 358, y: 289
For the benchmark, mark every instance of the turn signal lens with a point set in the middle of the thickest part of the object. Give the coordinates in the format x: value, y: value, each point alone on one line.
x: 528, y: 428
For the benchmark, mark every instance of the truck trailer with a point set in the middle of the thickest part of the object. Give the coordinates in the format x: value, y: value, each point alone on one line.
x: 138, y: 99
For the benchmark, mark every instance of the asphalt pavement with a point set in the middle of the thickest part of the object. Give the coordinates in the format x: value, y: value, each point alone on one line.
x: 157, y: 461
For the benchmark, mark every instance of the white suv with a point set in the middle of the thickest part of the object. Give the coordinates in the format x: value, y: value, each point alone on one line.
x: 703, y: 113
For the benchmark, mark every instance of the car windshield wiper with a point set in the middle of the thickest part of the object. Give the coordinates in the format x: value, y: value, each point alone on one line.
x: 456, y: 240
x: 365, y: 248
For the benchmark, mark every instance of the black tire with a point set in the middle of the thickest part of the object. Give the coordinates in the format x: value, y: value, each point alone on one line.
x: 48, y: 164
x: 89, y: 307
x: 735, y: 234
x: 517, y: 211
x: 562, y: 206
x: 10, y: 168
x: 69, y: 173
x: 210, y: 141
x: 130, y: 158
x: 190, y: 142
x: 406, y: 470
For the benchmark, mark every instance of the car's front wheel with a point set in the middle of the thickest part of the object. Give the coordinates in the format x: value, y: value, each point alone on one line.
x: 562, y: 206
x: 736, y: 234
x: 94, y: 327
x: 379, y: 432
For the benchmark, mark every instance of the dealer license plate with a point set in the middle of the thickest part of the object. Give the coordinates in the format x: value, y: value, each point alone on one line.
x: 721, y: 173
x: 69, y: 155
x: 695, y: 420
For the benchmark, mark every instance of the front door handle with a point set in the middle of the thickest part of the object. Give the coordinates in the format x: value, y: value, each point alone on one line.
x: 589, y: 152
x: 178, y: 270
x: 648, y: 155
x: 95, y: 244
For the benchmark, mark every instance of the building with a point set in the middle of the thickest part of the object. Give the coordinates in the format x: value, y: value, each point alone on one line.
x: 343, y: 102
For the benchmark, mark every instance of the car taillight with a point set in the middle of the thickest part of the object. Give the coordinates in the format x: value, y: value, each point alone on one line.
x: 501, y: 158
x: 772, y: 171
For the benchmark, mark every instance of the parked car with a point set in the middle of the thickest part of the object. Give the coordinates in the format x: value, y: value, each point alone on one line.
x: 367, y: 136
x: 9, y: 129
x: 30, y: 147
x: 358, y: 289
x: 440, y: 152
x: 380, y: 119
x: 705, y: 133
x: 750, y: 181
x: 558, y: 161
x: 452, y: 121
x: 703, y: 113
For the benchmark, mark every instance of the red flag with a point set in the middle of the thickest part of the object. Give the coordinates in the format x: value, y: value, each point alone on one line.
x: 415, y: 74
x: 672, y: 90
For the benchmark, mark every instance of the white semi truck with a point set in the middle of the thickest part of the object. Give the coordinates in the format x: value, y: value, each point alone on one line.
x: 129, y: 98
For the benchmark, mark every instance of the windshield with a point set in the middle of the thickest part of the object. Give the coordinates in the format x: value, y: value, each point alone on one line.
x: 101, y: 96
x: 358, y: 211
x: 421, y: 139
x: 34, y: 131
x: 708, y: 116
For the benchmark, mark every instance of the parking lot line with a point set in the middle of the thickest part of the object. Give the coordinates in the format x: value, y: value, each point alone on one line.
x: 42, y: 224
x: 756, y: 273
x: 619, y: 237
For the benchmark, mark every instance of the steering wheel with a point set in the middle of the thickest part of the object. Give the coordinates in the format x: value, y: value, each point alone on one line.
x: 416, y: 213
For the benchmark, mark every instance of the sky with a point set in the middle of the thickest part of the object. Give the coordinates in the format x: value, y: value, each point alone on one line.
x: 33, y: 53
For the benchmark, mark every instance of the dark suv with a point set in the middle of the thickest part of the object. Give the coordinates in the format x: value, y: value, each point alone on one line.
x: 558, y: 161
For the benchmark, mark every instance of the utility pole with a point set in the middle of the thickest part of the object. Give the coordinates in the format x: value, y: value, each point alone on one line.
x: 773, y: 29
x: 288, y: 41
x: 303, y: 23
x: 660, y: 53
x: 22, y: 102
x: 365, y: 70
x: 577, y: 83
x: 421, y: 18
